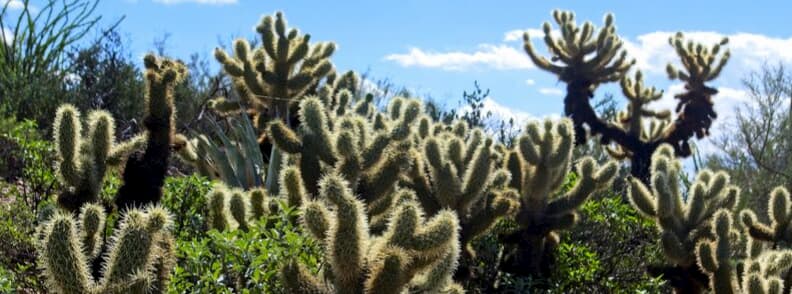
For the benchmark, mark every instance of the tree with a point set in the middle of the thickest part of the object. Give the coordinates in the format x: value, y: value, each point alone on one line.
x: 757, y: 148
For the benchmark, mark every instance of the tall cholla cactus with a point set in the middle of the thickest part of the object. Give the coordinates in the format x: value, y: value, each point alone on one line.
x: 144, y: 173
x: 365, y: 153
x: 83, y: 157
x: 234, y: 206
x: 539, y: 165
x: 448, y: 173
x: 279, y: 72
x: 759, y: 273
x: 412, y: 254
x: 682, y: 223
x: 584, y: 62
x: 139, y: 259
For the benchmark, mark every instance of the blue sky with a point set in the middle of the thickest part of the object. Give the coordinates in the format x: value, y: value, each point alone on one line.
x: 441, y: 47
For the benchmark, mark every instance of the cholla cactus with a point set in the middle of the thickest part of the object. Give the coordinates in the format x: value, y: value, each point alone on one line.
x: 777, y: 232
x: 365, y: 153
x: 234, y: 208
x: 682, y: 223
x: 760, y: 271
x: 584, y: 62
x: 144, y: 172
x: 448, y: 173
x: 137, y: 261
x: 412, y: 254
x: 83, y: 160
x: 281, y: 71
x: 539, y: 166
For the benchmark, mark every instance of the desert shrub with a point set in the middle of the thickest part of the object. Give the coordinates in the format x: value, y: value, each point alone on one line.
x: 184, y: 196
x: 235, y: 261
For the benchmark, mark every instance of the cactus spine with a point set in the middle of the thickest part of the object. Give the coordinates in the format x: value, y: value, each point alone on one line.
x: 682, y: 223
x: 234, y: 208
x: 134, y: 261
x: 584, y: 61
x: 412, y: 253
x: 539, y: 165
x: 777, y: 232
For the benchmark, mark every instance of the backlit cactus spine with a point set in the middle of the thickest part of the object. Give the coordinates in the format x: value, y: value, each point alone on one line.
x: 539, y: 165
x: 458, y: 173
x: 411, y: 254
x: 778, y: 232
x: 83, y: 160
x: 135, y: 259
x: 234, y: 208
x: 759, y: 273
x: 682, y: 223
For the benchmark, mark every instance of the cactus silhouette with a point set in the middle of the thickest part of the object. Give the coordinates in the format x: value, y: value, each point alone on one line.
x: 144, y: 172
x: 584, y: 61
x: 139, y: 259
x: 539, y: 165
x: 683, y: 221
x: 412, y: 253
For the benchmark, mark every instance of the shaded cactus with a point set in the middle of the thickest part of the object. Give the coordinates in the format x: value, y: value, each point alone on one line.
x: 133, y: 264
x: 585, y: 59
x: 233, y: 208
x: 683, y: 221
x: 412, y: 253
x: 759, y: 273
x: 539, y: 165
x: 144, y: 172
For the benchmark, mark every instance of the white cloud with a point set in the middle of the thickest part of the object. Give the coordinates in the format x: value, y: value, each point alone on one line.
x: 530, y: 82
x: 209, y: 2
x: 652, y: 51
x: 12, y: 4
x: 501, y: 57
x: 551, y: 91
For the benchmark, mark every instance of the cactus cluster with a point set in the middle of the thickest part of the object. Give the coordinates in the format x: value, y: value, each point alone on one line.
x: 759, y: 272
x: 411, y: 254
x: 139, y: 258
x: 683, y: 220
x: 539, y: 165
x: 234, y: 208
x: 369, y: 153
x: 584, y: 61
x: 456, y: 169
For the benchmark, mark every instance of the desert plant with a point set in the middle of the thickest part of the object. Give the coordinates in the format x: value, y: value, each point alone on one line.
x: 758, y: 273
x: 584, y: 62
x: 83, y: 159
x: 539, y: 165
x: 235, y: 206
x: 684, y: 220
x: 411, y: 254
x: 270, y: 78
x: 776, y: 232
x: 139, y: 259
x: 449, y: 174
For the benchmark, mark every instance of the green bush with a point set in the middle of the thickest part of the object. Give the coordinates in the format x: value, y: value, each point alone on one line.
x: 184, y: 197
x: 235, y: 261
